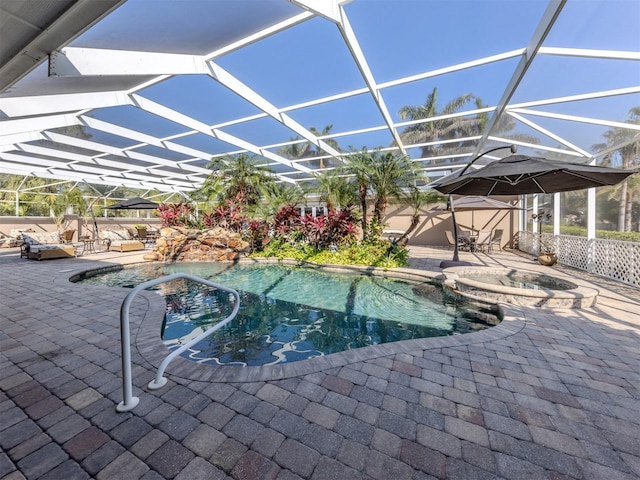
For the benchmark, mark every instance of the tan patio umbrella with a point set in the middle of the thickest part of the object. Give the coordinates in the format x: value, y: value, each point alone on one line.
x: 475, y: 202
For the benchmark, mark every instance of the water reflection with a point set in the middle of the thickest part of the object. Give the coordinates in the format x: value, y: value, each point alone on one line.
x: 289, y: 314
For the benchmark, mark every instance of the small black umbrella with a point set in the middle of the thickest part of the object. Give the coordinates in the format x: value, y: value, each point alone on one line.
x: 136, y: 203
x: 520, y: 174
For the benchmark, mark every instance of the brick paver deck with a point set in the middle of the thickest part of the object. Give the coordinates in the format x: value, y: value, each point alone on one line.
x: 554, y: 395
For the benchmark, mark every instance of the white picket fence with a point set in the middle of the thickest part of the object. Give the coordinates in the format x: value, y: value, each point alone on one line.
x: 610, y: 258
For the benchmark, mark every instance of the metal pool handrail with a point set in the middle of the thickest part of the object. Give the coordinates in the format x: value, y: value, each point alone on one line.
x: 129, y: 401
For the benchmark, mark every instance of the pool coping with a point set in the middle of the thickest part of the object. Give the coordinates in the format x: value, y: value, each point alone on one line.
x: 145, y: 332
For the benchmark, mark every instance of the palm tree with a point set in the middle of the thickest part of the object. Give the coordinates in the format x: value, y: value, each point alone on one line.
x: 629, y: 157
x: 445, y: 129
x: 383, y: 174
x: 306, y: 149
x: 416, y: 199
x: 451, y: 128
x: 389, y: 174
x: 237, y: 178
x: 334, y: 189
x: 358, y: 167
x: 275, y: 196
x: 59, y: 199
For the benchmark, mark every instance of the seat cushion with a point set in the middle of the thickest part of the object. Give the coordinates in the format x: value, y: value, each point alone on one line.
x: 41, y: 238
x: 39, y: 248
x: 117, y: 235
x: 117, y: 243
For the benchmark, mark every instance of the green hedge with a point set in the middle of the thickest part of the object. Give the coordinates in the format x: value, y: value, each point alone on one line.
x: 382, y: 254
x: 602, y: 234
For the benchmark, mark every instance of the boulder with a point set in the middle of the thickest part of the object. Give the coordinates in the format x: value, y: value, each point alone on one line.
x: 190, y: 245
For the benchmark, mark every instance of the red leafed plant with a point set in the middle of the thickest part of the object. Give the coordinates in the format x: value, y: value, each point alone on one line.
x: 335, y: 228
x: 287, y: 220
x: 176, y: 215
x: 258, y: 232
x: 229, y: 216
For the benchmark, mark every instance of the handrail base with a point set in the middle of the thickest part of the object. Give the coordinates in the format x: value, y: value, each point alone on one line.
x: 153, y: 385
x: 129, y: 403
x: 121, y: 407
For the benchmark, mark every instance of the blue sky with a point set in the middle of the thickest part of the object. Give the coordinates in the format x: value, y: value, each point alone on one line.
x: 399, y: 38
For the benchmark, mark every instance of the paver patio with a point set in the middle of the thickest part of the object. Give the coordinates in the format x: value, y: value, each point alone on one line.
x: 554, y: 396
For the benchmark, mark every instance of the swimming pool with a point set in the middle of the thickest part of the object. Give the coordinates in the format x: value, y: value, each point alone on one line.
x: 290, y: 313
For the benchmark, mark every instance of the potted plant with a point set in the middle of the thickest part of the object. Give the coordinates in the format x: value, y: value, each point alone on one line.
x: 546, y: 248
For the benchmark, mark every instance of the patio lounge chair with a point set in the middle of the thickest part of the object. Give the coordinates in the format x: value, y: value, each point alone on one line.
x: 14, y: 238
x: 8, y: 242
x: 121, y: 241
x: 45, y: 245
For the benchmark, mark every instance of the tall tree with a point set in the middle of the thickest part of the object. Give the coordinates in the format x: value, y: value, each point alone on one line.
x: 305, y: 149
x: 416, y: 199
x: 237, y: 178
x: 391, y: 174
x: 452, y: 128
x: 358, y: 166
x: 627, y: 157
x: 444, y: 129
x: 384, y: 174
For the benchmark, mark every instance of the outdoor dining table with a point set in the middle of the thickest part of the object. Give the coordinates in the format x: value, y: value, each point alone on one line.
x: 470, y: 240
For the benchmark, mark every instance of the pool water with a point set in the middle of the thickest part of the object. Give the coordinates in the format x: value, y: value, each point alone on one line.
x: 289, y: 314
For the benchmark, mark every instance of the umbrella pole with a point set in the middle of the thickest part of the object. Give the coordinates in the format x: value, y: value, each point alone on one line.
x: 456, y: 258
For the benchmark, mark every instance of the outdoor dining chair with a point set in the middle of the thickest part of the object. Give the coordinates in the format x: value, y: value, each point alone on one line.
x: 496, y: 239
x: 463, y: 244
x: 483, y: 241
x: 67, y: 236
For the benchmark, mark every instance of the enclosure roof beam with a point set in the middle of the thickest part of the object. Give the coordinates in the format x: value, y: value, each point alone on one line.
x: 544, y: 27
x: 88, y: 62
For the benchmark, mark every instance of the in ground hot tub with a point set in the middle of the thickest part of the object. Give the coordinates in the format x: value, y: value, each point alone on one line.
x: 518, y: 287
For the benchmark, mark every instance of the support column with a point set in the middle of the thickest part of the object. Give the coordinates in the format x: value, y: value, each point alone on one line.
x: 591, y: 228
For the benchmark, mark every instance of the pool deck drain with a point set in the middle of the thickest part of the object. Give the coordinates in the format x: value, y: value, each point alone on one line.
x: 556, y: 397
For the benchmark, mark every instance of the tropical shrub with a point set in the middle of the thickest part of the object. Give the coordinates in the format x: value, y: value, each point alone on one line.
x: 382, y: 255
x: 373, y: 232
x: 330, y: 238
x: 287, y: 220
x: 228, y: 215
x: 257, y: 234
x: 335, y: 228
x: 579, y: 231
x: 177, y: 215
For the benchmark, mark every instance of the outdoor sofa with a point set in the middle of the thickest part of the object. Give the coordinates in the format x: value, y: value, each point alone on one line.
x: 45, y: 245
x: 14, y: 239
x: 8, y: 242
x: 121, y: 241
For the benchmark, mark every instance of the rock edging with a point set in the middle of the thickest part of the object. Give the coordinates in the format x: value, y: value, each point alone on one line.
x: 191, y: 245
